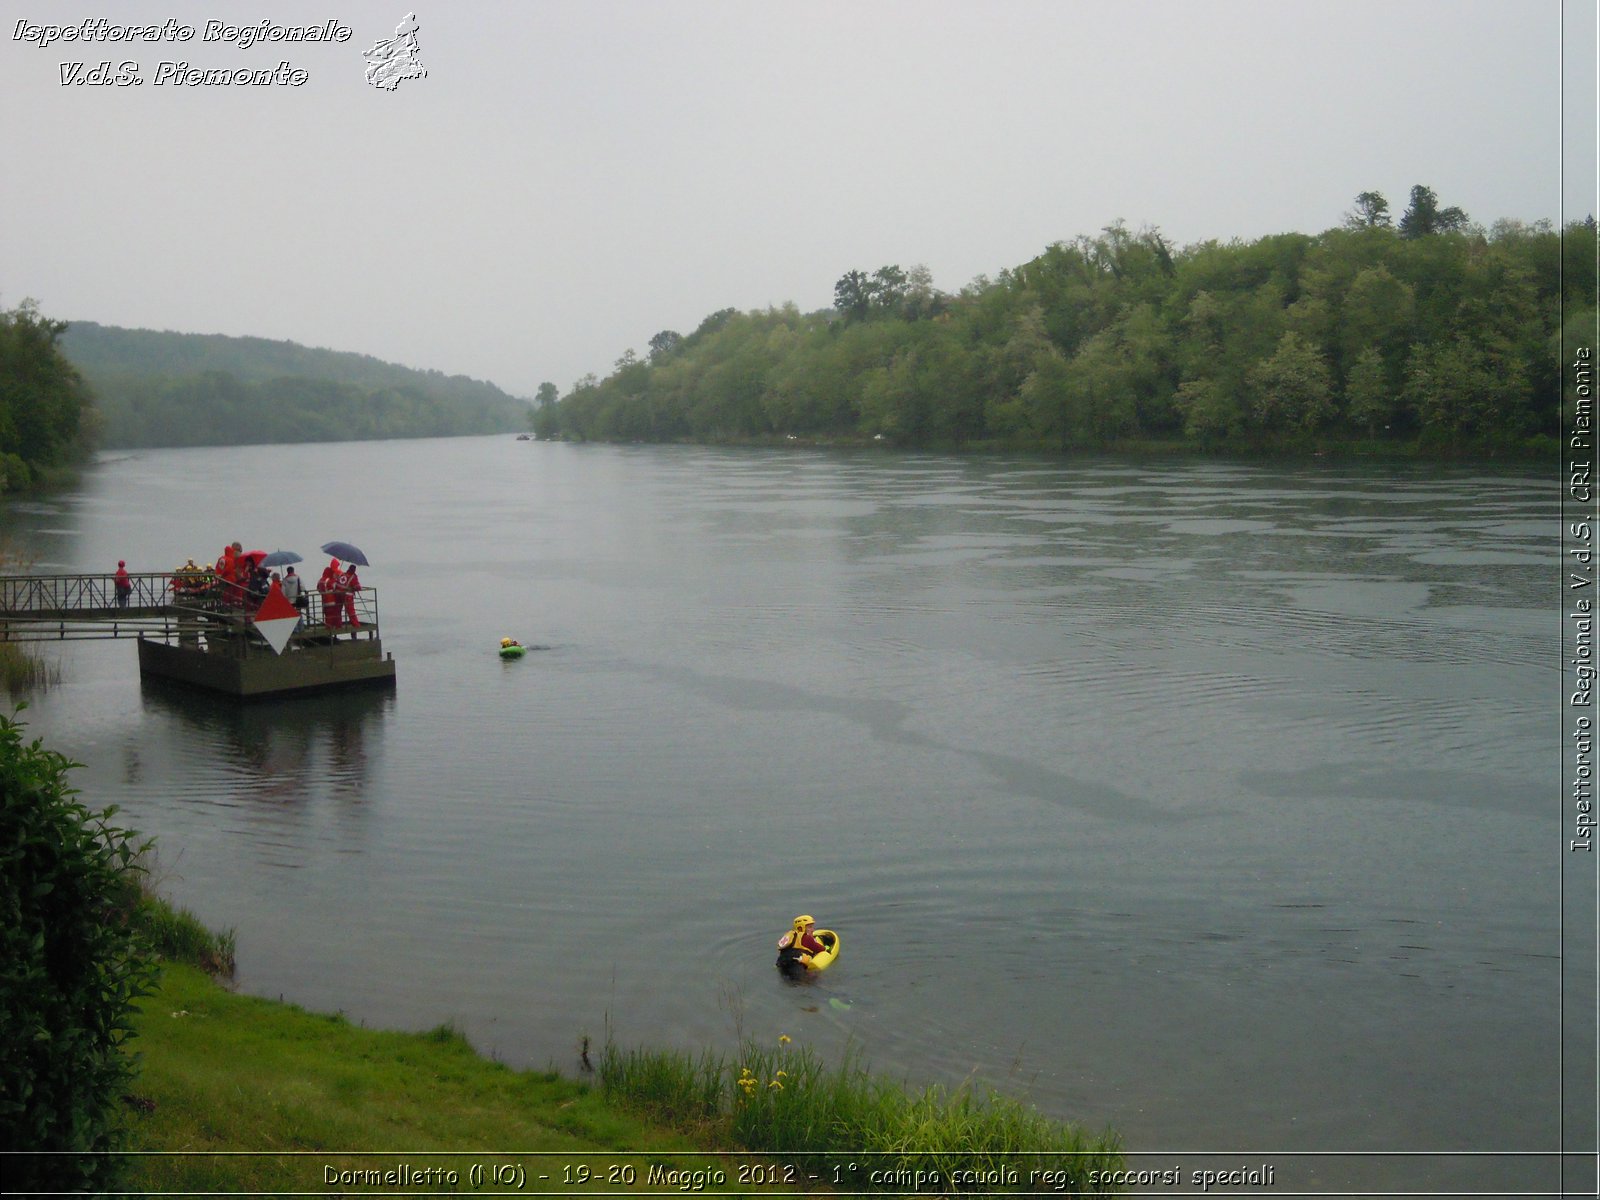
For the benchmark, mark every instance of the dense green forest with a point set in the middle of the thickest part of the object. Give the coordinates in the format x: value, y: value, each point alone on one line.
x: 44, y: 405
x: 180, y: 389
x: 1427, y: 333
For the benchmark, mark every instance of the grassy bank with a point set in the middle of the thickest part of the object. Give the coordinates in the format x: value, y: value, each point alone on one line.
x: 243, y: 1095
x: 238, y: 1094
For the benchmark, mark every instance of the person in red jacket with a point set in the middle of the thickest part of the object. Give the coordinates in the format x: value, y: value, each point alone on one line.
x: 349, y: 585
x: 227, y: 571
x: 122, y: 584
x: 332, y: 602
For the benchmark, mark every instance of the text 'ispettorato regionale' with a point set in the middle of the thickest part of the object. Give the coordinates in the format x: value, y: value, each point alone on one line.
x: 100, y: 32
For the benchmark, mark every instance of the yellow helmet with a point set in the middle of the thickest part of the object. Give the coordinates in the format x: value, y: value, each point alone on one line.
x: 802, y: 921
x: 505, y: 641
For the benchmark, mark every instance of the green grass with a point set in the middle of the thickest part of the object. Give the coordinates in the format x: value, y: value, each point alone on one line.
x: 240, y: 1094
x: 843, y: 1124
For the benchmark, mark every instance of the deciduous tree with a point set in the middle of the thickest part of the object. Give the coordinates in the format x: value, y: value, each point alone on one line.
x: 1293, y: 389
x: 43, y: 399
x: 1369, y: 396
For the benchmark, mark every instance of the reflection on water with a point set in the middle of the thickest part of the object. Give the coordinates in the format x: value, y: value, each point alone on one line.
x: 1199, y: 799
x: 279, y: 768
x: 279, y: 743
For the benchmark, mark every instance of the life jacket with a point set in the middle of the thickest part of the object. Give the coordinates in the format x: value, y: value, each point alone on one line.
x: 793, y: 941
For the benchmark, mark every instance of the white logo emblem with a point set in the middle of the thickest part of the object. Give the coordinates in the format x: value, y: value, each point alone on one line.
x: 392, y: 60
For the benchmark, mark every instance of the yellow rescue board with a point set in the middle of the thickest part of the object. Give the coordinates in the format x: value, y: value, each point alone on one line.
x: 823, y: 960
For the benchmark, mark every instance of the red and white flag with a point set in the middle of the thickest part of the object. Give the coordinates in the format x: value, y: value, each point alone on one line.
x: 275, y: 620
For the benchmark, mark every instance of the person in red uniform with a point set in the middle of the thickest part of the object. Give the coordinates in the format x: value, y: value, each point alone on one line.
x: 227, y: 570
x: 349, y: 585
x: 796, y: 947
x: 332, y: 602
x: 122, y: 584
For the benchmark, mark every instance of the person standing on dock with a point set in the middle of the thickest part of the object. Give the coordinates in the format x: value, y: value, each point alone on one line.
x: 233, y: 572
x: 122, y: 584
x: 293, y: 591
x: 349, y: 585
x: 332, y: 602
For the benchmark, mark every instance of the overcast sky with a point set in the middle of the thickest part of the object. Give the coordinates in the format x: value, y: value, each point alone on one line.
x: 572, y: 176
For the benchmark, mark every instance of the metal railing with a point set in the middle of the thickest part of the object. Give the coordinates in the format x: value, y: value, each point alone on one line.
x: 166, y: 605
x: 65, y: 595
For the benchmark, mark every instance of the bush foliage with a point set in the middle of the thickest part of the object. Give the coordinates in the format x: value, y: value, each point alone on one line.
x: 71, y: 966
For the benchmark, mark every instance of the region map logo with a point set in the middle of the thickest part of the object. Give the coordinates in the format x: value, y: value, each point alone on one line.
x: 391, y: 61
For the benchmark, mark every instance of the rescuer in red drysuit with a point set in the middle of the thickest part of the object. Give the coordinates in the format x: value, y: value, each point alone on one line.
x: 228, y: 574
x: 349, y: 585
x: 332, y: 602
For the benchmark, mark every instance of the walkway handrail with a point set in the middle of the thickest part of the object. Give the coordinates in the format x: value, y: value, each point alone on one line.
x: 93, y: 599
x: 22, y: 595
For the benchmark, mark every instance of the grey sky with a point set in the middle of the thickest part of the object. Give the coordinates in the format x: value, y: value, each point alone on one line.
x: 574, y: 175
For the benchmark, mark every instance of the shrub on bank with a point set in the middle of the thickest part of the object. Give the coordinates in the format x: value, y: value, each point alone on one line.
x: 71, y: 966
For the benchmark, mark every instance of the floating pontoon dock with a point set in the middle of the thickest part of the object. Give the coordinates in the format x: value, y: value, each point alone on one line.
x: 187, y: 633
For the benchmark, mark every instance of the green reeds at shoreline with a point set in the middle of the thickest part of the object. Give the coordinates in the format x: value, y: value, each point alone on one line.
x: 22, y: 671
x: 177, y: 935
x: 849, y: 1130
x: 21, y: 668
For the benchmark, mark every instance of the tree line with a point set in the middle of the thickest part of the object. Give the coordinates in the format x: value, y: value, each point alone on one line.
x: 65, y: 390
x: 216, y: 408
x: 175, y: 389
x: 1428, y: 331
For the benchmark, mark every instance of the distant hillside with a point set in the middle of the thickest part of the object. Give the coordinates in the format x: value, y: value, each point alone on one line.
x: 187, y: 389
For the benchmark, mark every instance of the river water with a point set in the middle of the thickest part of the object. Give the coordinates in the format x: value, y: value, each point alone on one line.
x: 1212, y: 802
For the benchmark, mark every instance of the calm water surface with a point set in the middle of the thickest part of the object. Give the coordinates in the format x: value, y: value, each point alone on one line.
x: 1206, y: 801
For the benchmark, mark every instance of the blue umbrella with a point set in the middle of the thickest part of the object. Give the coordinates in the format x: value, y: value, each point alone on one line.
x: 347, y: 552
x: 281, y: 558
